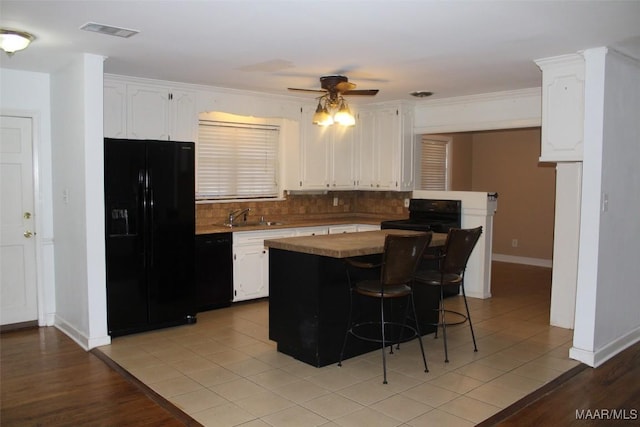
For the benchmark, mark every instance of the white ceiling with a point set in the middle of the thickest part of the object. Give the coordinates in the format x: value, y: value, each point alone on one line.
x: 451, y: 48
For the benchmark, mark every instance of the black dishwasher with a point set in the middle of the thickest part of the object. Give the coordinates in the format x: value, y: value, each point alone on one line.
x: 214, y: 271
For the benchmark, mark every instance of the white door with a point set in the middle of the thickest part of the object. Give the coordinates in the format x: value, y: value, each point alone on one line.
x: 18, y: 296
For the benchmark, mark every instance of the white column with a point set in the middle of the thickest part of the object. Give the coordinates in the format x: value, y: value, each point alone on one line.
x: 566, y: 239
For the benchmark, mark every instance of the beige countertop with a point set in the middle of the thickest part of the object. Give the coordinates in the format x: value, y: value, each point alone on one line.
x: 295, y: 222
x: 343, y: 245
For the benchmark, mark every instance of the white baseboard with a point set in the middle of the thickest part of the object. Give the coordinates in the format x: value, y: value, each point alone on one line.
x: 81, y: 339
x: 598, y: 357
x: 538, y: 262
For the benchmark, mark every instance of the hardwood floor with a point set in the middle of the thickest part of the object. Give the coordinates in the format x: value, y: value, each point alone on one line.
x: 598, y: 395
x: 48, y: 380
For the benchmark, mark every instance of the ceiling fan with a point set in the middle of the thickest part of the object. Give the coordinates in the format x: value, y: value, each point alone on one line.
x: 333, y: 90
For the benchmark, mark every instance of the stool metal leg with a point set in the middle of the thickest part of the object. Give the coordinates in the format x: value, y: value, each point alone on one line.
x: 384, y: 358
x: 444, y: 325
x: 415, y: 314
x: 473, y: 336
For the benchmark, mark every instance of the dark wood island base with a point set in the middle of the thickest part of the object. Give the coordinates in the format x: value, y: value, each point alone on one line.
x: 309, y: 298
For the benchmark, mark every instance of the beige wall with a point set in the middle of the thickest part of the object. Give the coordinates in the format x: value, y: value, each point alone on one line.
x: 461, y: 161
x: 506, y: 161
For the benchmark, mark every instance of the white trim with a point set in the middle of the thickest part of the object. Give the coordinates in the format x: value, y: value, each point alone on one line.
x: 538, y: 262
x: 480, y: 112
x: 598, y: 357
x: 81, y: 339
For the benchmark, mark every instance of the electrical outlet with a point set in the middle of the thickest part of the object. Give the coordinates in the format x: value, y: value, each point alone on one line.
x: 406, y: 203
x: 335, y: 201
x: 514, y: 243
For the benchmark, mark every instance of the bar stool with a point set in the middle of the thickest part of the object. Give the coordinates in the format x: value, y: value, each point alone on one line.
x: 400, y: 258
x: 452, y: 264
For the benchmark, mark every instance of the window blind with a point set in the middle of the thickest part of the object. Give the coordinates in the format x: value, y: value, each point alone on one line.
x: 236, y: 160
x: 433, y: 164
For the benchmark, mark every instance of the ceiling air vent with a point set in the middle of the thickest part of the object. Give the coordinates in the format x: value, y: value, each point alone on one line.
x: 108, y: 30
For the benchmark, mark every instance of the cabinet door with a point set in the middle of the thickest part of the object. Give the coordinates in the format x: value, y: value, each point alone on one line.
x: 250, y: 272
x: 184, y: 118
x: 366, y: 148
x: 407, y: 151
x: 148, y: 112
x: 342, y: 174
x: 316, y: 145
x: 387, y: 135
x: 115, y: 109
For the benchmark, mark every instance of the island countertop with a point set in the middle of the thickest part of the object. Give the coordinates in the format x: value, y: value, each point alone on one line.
x: 344, y: 245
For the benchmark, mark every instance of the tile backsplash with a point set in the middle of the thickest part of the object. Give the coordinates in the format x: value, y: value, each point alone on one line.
x: 389, y: 203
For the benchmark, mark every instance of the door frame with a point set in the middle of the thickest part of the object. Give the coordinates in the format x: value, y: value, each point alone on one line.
x: 44, y: 318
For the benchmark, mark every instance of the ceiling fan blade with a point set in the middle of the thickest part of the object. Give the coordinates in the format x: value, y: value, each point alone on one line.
x: 307, y: 90
x: 365, y: 92
x: 345, y: 86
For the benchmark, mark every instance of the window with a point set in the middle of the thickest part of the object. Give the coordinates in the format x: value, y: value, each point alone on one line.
x: 433, y: 163
x: 236, y: 160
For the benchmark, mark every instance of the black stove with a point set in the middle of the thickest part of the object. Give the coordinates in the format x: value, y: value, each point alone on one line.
x: 429, y: 215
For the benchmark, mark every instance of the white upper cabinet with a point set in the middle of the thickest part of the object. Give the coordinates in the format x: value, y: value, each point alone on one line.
x: 366, y: 157
x: 115, y: 109
x: 326, y: 156
x: 562, y: 136
x: 385, y: 149
x: 315, y: 150
x: 342, y: 174
x: 149, y: 112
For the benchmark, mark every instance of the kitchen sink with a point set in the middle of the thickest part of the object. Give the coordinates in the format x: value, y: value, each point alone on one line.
x: 253, y: 224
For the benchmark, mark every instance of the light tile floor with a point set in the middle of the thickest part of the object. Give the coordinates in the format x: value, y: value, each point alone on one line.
x: 224, y: 370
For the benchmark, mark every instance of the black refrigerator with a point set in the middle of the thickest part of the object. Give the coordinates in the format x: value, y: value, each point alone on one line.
x: 150, y: 234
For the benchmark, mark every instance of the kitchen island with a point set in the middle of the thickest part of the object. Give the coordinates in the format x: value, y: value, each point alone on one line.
x: 309, y: 293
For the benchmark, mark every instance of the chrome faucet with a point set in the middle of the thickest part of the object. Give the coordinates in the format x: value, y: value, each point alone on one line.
x: 233, y: 215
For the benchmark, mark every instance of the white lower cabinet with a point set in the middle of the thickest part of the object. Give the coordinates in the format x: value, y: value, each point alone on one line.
x: 367, y: 227
x: 251, y: 262
x: 347, y: 228
x: 251, y: 257
x: 312, y: 231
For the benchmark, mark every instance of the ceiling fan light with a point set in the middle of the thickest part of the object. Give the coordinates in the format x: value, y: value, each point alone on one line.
x: 344, y: 116
x: 325, y: 119
x: 322, y: 117
x: 12, y: 41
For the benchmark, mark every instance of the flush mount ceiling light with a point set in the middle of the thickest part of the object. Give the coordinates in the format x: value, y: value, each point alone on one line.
x: 12, y: 41
x: 109, y: 30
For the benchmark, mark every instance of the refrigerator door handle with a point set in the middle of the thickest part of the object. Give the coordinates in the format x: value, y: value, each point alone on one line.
x: 151, y: 216
x: 142, y: 211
